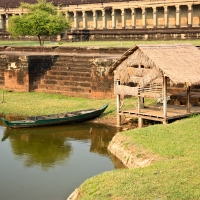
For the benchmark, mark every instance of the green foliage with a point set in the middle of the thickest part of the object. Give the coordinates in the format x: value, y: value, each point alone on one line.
x: 42, y: 20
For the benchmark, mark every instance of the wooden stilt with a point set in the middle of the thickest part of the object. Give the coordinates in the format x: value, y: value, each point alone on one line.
x: 118, y: 107
x: 188, y: 99
x: 140, y: 120
x: 165, y: 99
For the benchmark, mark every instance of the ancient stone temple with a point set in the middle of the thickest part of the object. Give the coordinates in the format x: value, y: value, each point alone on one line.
x: 112, y: 19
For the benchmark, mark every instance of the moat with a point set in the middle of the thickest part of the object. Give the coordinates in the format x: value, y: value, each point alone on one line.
x: 50, y: 162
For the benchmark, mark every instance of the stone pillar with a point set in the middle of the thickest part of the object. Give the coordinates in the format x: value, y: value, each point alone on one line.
x: 144, y: 17
x: 1, y: 21
x: 95, y: 19
x: 113, y: 19
x: 6, y: 21
x: 154, y: 17
x: 133, y: 17
x: 84, y: 19
x: 166, y: 16
x: 104, y: 19
x: 189, y: 15
x: 75, y: 20
x: 123, y: 18
x: 178, y: 16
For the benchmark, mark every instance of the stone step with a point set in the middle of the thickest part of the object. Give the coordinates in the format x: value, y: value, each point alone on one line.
x: 2, y: 81
x: 63, y: 88
x: 70, y: 68
x: 68, y: 73
x: 72, y: 63
x: 1, y: 73
x: 67, y: 93
x: 65, y: 83
x: 68, y: 78
x: 74, y: 58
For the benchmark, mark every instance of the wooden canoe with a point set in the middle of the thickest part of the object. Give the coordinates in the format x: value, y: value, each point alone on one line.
x: 56, y: 119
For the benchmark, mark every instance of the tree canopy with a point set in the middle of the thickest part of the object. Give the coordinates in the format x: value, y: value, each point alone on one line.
x: 42, y: 19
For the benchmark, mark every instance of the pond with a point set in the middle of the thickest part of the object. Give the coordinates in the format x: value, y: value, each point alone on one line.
x: 48, y: 163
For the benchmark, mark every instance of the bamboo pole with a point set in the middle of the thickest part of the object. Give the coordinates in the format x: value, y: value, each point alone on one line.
x: 165, y: 99
x: 188, y: 99
x: 3, y: 97
x: 118, y: 108
x: 140, y: 120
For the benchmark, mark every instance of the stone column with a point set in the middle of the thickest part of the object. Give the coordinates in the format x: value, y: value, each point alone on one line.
x: 104, y: 19
x: 189, y: 15
x: 154, y: 17
x: 178, y: 16
x: 144, y: 17
x: 113, y: 19
x: 94, y: 19
x: 123, y: 18
x: 75, y: 20
x: 1, y: 21
x: 166, y: 16
x: 6, y: 21
x: 84, y: 19
x: 133, y: 17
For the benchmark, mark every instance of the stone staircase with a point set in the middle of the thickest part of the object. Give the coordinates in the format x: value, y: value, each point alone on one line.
x: 2, y: 78
x: 70, y: 75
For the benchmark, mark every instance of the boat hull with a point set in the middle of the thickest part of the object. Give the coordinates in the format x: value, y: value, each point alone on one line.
x: 78, y: 116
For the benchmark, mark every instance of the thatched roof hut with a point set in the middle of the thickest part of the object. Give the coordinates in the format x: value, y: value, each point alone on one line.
x: 179, y: 62
x: 147, y: 70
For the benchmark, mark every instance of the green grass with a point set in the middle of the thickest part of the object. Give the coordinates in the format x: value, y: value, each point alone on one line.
x: 34, y: 103
x: 175, y: 176
x: 126, y: 44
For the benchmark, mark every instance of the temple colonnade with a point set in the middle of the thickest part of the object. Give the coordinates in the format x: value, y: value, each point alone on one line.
x: 124, y: 15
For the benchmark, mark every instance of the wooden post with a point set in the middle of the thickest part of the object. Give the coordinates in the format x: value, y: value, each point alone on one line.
x: 165, y: 99
x: 188, y: 99
x: 3, y: 97
x: 118, y: 108
x: 140, y: 120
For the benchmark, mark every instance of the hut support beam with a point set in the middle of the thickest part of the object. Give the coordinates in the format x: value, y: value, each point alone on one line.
x: 140, y: 105
x: 118, y: 109
x: 188, y: 99
x: 165, y: 99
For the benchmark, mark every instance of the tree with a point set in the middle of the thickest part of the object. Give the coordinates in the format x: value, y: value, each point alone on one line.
x: 42, y: 20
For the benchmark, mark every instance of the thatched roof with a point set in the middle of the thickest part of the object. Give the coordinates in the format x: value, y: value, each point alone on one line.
x: 179, y: 62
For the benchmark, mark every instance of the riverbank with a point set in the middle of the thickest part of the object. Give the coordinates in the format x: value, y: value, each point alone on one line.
x: 162, y: 163
x: 169, y: 154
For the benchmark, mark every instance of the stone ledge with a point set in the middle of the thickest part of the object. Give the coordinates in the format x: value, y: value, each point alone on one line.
x: 129, y: 154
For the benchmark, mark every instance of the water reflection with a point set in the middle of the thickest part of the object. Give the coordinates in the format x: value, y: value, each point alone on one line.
x: 49, y: 146
x: 52, y: 160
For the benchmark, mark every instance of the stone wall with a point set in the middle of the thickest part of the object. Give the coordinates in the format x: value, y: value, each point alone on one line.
x: 66, y: 70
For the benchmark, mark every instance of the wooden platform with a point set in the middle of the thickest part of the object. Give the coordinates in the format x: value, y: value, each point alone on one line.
x: 155, y: 113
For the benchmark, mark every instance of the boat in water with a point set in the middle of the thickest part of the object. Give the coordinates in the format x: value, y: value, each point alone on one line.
x: 56, y: 119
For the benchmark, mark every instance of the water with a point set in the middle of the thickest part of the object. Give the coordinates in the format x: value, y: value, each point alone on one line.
x: 48, y: 163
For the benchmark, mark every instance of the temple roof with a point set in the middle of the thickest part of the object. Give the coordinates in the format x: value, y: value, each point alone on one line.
x: 16, y: 3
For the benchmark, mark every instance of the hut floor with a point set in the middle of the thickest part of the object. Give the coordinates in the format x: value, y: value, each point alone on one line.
x: 155, y: 113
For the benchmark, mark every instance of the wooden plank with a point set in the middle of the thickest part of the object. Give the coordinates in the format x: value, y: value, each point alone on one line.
x: 126, y: 90
x: 155, y: 114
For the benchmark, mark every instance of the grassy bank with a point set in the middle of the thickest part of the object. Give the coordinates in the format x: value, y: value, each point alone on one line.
x: 175, y: 176
x: 96, y: 43
x: 34, y: 103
